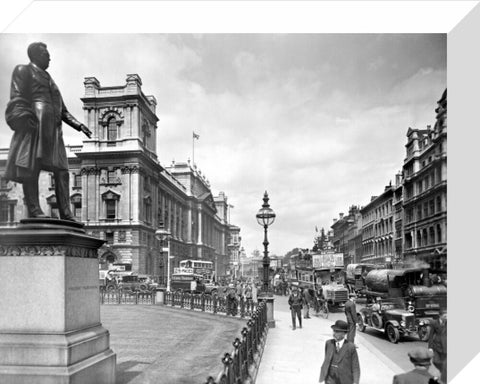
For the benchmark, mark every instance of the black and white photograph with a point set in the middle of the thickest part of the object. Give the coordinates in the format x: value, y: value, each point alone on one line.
x: 223, y: 208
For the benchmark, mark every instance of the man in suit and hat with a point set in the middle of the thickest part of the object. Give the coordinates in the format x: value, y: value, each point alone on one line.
x: 296, y: 301
x: 421, y: 358
x: 351, y: 314
x: 437, y: 343
x: 341, y: 365
x: 35, y: 113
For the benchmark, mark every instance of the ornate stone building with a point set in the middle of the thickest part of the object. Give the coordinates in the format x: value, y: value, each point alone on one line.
x: 123, y: 194
x: 347, y: 235
x: 378, y: 229
x: 425, y: 192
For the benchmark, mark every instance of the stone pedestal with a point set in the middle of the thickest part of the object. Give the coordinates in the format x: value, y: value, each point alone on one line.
x: 270, y: 308
x: 50, y: 330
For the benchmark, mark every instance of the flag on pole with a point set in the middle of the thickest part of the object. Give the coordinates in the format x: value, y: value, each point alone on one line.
x: 195, y: 136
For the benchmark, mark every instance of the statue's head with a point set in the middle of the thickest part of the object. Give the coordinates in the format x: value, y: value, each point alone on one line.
x: 38, y: 54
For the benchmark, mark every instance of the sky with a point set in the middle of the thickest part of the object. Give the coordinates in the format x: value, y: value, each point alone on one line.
x: 317, y: 120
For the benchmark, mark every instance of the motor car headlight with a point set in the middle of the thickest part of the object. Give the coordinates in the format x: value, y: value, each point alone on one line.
x: 403, y: 323
x: 411, y: 308
x: 421, y: 323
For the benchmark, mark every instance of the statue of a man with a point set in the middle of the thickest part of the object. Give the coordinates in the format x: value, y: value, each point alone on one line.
x: 35, y: 114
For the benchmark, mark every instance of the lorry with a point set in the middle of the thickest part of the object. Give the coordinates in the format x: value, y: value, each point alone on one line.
x: 407, y: 301
x: 355, y: 277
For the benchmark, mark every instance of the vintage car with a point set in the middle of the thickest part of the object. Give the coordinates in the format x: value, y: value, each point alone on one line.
x: 408, y: 302
x: 135, y: 283
x: 187, y: 282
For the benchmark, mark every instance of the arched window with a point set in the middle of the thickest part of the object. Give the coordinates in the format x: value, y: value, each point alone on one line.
x: 112, y: 129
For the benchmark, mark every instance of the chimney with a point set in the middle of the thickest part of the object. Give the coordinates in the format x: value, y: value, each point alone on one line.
x: 341, y: 215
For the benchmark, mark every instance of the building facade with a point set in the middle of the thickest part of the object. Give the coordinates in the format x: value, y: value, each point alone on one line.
x: 123, y: 194
x: 377, y: 229
x: 347, y: 235
x: 425, y: 192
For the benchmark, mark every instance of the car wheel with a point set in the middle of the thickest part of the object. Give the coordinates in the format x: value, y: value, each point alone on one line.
x: 214, y: 292
x: 360, y: 323
x: 392, y: 333
x: 110, y: 288
x: 424, y: 333
x: 143, y: 287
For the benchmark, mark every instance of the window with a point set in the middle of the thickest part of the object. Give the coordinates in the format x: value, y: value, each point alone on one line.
x: 77, y: 181
x: 431, y: 235
x: 110, y: 205
x: 425, y: 210
x: 439, y: 204
x: 109, y: 237
x: 52, y: 181
x: 112, y: 129
x: 3, y: 183
x: 419, y: 213
x: 432, y: 206
x: 77, y: 206
x: 111, y: 176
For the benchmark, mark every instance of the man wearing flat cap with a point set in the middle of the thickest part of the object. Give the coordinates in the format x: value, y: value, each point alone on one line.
x: 421, y: 358
x: 341, y: 365
x: 35, y: 114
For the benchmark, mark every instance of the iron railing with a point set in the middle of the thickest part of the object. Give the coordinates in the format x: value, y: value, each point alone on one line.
x: 119, y: 296
x: 241, y: 365
x: 211, y: 303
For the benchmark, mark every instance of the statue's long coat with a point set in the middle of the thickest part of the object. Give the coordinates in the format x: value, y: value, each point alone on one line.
x: 35, y: 113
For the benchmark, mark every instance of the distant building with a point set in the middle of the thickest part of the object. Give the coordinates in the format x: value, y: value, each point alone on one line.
x: 347, y: 235
x: 123, y: 194
x: 425, y: 192
x: 377, y: 229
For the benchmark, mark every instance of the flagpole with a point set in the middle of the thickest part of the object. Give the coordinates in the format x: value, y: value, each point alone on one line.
x: 193, y: 150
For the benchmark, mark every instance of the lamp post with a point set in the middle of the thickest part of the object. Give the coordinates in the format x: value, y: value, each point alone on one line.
x: 162, y: 234
x: 265, y: 217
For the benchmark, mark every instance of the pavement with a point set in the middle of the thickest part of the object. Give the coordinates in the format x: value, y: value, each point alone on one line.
x: 295, y: 356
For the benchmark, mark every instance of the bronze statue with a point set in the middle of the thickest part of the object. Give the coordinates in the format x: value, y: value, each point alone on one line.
x: 35, y: 113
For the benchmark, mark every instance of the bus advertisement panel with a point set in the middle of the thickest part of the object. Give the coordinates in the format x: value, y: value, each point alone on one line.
x: 327, y: 260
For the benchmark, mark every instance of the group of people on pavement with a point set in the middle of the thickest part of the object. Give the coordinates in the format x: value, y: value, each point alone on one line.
x: 341, y: 363
x: 237, y: 290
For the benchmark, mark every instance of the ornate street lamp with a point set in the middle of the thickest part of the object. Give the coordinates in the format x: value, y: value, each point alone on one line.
x: 162, y: 234
x: 265, y: 217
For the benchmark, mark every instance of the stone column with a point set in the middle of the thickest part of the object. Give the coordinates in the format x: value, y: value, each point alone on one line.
x: 50, y: 329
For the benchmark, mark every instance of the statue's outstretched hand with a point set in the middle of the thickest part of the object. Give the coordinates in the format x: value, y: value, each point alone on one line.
x: 86, y: 131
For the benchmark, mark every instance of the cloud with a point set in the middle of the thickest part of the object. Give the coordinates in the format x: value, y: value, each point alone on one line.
x: 319, y: 121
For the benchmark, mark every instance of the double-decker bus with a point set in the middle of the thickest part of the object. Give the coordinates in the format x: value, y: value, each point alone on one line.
x: 200, y: 267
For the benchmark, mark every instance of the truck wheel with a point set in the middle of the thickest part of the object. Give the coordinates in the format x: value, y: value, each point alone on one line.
x: 392, y: 333
x: 424, y: 333
x: 360, y: 323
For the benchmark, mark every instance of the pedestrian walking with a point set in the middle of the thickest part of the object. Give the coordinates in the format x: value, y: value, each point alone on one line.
x: 254, y: 292
x: 307, y: 298
x: 295, y: 301
x: 351, y: 314
x: 437, y: 343
x: 421, y: 359
x: 341, y: 365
